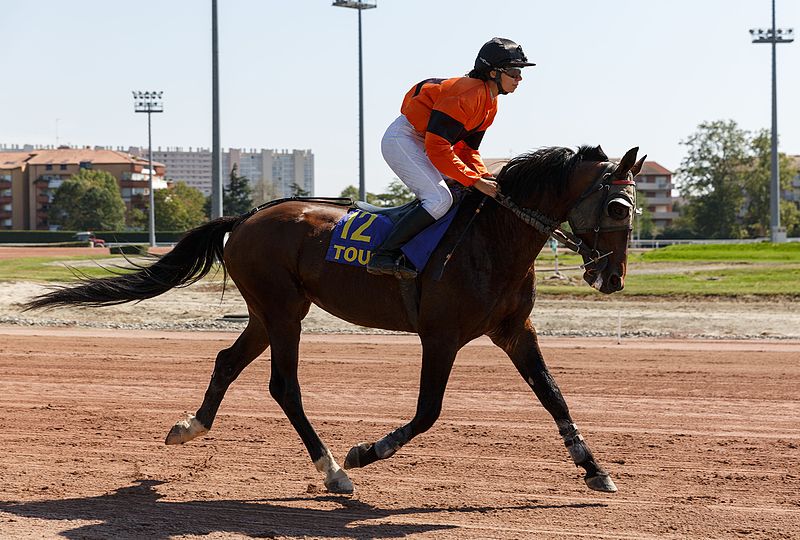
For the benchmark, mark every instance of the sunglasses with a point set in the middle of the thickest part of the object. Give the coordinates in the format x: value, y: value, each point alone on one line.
x: 514, y: 73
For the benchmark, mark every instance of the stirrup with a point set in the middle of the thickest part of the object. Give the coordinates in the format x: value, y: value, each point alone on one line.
x: 392, y: 267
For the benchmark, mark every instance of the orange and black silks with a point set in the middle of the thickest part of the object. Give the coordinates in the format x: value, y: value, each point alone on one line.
x: 453, y: 114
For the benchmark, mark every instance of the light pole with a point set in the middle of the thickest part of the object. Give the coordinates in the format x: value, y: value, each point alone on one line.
x: 216, y: 151
x: 359, y: 5
x: 149, y: 102
x: 774, y: 36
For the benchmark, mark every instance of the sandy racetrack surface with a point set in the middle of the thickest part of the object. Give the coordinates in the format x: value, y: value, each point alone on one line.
x: 701, y: 437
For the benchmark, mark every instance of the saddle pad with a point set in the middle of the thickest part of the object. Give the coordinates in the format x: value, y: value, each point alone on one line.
x: 358, y: 233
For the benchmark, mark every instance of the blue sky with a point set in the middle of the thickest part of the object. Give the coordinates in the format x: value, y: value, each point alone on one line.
x: 618, y: 73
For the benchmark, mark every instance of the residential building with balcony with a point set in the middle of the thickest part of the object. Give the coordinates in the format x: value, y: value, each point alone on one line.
x: 42, y: 171
x: 12, y: 189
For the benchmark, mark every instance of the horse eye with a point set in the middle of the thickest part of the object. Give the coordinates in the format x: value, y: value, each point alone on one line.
x: 618, y: 211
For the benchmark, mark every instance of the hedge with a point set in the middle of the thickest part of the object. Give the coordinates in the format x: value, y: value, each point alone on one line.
x: 52, y: 237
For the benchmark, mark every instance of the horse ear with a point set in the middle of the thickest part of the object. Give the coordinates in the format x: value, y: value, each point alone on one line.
x: 626, y: 163
x: 637, y: 167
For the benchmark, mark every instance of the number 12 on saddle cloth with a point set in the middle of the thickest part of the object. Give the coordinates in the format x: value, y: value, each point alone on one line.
x: 358, y: 233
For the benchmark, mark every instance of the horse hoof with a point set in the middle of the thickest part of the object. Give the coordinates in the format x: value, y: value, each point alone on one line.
x: 339, y: 483
x: 601, y: 482
x: 185, y: 431
x: 353, y: 459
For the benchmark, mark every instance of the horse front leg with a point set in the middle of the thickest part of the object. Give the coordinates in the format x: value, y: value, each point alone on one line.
x: 229, y: 365
x: 522, y: 346
x: 437, y: 362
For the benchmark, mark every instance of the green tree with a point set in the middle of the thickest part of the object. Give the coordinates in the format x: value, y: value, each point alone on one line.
x: 757, y: 187
x: 298, y: 191
x: 136, y: 219
x: 711, y: 177
x: 238, y: 197
x: 397, y: 194
x: 643, y: 226
x: 179, y: 208
x: 88, y: 200
x: 352, y: 192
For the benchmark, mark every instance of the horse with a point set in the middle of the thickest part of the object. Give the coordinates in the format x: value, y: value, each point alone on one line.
x: 480, y: 280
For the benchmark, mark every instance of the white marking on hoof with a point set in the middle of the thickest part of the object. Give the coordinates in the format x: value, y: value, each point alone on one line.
x: 185, y: 431
x: 336, y: 480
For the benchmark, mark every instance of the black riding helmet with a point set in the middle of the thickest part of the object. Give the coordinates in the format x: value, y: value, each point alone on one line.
x: 500, y: 53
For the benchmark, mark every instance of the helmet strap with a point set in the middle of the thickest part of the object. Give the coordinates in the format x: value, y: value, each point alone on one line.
x: 498, y: 82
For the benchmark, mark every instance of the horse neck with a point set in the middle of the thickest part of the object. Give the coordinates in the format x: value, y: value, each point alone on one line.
x: 517, y: 243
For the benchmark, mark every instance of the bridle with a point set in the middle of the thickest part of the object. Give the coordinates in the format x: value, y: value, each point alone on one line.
x: 585, y: 217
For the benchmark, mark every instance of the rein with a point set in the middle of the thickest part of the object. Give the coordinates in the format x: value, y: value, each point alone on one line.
x: 551, y: 227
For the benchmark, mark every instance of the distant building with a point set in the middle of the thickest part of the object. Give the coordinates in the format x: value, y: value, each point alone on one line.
x: 273, y: 174
x: 30, y: 177
x: 654, y: 183
x: 793, y: 194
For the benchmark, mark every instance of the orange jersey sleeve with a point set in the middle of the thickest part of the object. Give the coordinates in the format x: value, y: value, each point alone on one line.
x: 453, y: 114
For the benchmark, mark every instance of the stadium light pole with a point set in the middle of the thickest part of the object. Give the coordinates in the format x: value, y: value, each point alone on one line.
x: 360, y: 6
x: 774, y: 36
x: 149, y: 102
x: 216, y: 151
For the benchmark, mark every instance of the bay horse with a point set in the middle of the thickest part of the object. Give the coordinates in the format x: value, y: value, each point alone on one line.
x: 484, y: 286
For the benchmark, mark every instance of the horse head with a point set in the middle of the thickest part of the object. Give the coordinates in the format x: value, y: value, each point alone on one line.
x: 602, y: 219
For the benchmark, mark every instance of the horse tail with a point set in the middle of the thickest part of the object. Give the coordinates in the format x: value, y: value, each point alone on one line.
x: 189, y: 261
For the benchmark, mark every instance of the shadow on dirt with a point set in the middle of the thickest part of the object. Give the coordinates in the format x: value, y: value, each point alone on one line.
x: 135, y: 512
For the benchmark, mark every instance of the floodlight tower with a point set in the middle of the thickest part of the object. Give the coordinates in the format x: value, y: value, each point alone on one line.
x: 149, y: 102
x: 774, y: 36
x: 359, y: 5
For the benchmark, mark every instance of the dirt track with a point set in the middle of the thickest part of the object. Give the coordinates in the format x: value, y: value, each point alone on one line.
x: 702, y: 438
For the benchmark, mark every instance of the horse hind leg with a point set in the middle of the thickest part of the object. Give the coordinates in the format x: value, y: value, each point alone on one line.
x: 229, y: 365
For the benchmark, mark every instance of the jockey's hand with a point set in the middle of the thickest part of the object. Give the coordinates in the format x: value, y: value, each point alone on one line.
x: 487, y: 186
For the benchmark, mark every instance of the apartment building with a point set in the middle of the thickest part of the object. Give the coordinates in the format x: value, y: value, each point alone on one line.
x: 35, y: 174
x: 272, y: 173
x: 12, y: 189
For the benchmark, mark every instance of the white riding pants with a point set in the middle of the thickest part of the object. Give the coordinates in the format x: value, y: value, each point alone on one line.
x: 403, y: 148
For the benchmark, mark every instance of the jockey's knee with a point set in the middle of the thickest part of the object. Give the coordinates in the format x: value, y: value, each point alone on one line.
x: 439, y: 205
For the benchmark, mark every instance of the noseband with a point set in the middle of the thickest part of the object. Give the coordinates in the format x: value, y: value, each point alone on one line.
x: 584, y: 217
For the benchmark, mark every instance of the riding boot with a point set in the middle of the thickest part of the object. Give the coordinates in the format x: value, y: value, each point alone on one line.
x: 386, y: 258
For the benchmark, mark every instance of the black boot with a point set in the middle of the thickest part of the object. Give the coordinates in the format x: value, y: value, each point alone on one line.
x: 386, y: 258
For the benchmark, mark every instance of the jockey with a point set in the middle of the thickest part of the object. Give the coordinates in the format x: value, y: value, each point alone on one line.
x: 437, y: 137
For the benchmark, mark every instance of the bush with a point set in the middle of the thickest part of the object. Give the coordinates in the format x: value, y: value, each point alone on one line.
x: 130, y: 249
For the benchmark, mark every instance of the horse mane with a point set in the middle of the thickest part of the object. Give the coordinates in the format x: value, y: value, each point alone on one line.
x: 544, y: 172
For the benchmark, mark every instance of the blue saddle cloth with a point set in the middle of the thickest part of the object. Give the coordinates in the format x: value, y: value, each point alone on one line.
x: 359, y: 232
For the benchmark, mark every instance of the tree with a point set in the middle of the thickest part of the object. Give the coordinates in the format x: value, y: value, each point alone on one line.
x: 397, y: 195
x: 237, y: 198
x: 179, y: 208
x: 643, y: 226
x: 711, y: 177
x: 757, y: 181
x: 88, y: 200
x: 726, y: 179
x: 352, y: 192
x: 298, y: 191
